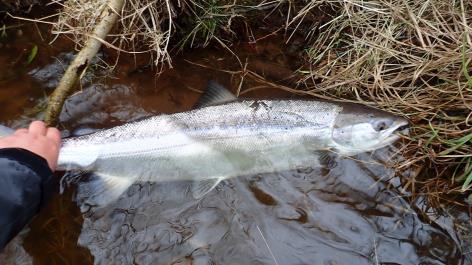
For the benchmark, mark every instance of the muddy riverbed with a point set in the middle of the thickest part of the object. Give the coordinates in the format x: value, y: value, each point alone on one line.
x: 350, y: 211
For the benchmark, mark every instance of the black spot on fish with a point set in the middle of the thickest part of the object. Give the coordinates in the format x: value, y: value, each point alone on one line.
x: 257, y: 105
x: 305, y: 170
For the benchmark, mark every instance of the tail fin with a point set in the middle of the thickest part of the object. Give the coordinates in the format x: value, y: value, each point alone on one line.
x: 5, y: 131
x: 102, y: 189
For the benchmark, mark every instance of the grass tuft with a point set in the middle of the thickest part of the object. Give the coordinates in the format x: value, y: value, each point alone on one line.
x: 145, y: 25
x: 411, y: 58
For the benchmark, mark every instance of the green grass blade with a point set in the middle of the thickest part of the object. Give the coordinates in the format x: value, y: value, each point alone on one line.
x: 3, y: 33
x: 467, y: 181
x: 433, y: 136
x: 467, y: 168
x: 465, y: 68
x: 457, y: 144
x: 32, y: 54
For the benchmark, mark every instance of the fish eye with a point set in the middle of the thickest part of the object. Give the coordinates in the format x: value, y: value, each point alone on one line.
x: 381, y: 125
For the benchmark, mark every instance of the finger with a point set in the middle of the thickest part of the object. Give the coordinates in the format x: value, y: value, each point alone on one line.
x: 54, y: 134
x: 37, y: 127
x: 21, y: 131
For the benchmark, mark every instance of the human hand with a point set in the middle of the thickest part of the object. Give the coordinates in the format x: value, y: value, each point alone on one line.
x: 37, y: 139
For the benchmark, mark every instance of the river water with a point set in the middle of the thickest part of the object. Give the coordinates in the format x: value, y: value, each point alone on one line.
x: 350, y: 211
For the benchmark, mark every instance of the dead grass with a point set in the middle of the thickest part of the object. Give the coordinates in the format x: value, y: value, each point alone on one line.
x: 411, y: 58
x: 145, y: 26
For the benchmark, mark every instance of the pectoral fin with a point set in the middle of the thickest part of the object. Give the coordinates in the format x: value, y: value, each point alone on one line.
x: 327, y: 159
x: 201, y: 188
x: 102, y: 189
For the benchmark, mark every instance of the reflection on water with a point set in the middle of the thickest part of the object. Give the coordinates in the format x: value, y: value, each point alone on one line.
x: 348, y: 212
x: 14, y: 252
x: 340, y: 215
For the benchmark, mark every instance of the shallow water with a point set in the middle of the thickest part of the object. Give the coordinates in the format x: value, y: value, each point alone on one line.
x: 351, y: 211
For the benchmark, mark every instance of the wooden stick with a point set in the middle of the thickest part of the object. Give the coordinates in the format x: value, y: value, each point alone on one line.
x: 66, y: 86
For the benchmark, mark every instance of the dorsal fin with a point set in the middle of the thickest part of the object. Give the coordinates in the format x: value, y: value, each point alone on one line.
x: 213, y: 95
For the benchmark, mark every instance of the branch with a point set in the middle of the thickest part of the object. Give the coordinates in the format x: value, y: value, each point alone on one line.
x: 80, y: 63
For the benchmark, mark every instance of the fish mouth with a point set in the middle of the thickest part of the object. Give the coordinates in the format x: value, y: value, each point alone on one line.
x: 403, y: 129
x: 399, y: 128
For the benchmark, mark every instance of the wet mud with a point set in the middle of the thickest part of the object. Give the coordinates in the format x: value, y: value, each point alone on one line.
x: 350, y: 211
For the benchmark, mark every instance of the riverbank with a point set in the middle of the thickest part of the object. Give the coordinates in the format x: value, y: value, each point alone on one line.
x: 408, y: 57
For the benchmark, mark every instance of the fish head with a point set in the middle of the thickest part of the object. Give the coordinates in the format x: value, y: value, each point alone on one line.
x: 359, y: 128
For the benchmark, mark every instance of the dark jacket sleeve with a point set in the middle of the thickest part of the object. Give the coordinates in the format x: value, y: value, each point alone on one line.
x: 26, y: 183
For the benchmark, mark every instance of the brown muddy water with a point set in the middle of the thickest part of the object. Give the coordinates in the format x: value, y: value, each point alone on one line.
x: 352, y: 211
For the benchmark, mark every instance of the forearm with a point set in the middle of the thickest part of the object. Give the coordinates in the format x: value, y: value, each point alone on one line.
x: 25, y: 186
